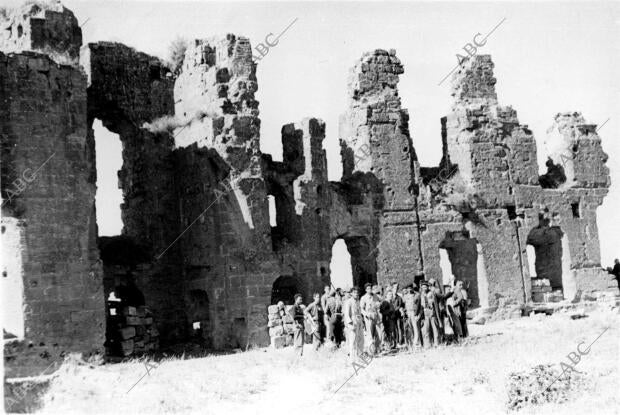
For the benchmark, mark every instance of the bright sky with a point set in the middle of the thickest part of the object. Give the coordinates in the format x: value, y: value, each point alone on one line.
x: 549, y: 58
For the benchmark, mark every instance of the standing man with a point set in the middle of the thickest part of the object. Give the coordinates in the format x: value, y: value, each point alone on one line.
x: 615, y: 271
x: 431, y: 325
x: 314, y: 314
x: 282, y: 314
x: 453, y: 319
x: 297, y: 313
x: 415, y: 315
x: 333, y: 310
x: 339, y: 327
x: 460, y: 306
x: 324, y: 298
x: 399, y: 316
x: 353, y: 325
x: 388, y: 318
x: 439, y: 306
x: 371, y: 319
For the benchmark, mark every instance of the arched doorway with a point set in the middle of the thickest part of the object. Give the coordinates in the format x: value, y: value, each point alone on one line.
x: 198, y: 314
x: 547, y: 243
x: 284, y: 289
x: 461, y: 260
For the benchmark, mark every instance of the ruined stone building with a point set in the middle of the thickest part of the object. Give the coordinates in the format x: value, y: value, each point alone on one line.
x: 197, y: 245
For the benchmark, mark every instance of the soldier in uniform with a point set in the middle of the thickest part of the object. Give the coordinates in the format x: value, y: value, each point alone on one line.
x: 415, y: 315
x: 399, y: 314
x: 354, y: 325
x: 371, y: 320
x: 325, y: 323
x: 333, y: 316
x: 314, y: 315
x: 388, y: 319
x: 297, y: 313
x: 460, y: 306
x: 430, y: 328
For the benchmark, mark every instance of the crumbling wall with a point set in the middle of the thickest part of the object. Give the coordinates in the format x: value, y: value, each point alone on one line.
x: 374, y: 136
x: 496, y: 156
x: 223, y: 196
x: 196, y: 187
x: 48, y: 196
x: 128, y: 91
x: 574, y: 145
x: 48, y: 28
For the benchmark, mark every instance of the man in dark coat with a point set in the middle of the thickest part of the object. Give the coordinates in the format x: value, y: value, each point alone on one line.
x: 615, y: 271
x: 388, y: 316
x: 460, y: 305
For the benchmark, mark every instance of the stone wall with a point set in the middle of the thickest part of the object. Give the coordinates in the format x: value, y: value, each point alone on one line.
x: 47, y: 28
x: 197, y: 240
x: 127, y: 91
x: 48, y: 196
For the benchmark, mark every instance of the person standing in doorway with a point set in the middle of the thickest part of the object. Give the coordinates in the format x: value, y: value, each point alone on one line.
x: 460, y: 306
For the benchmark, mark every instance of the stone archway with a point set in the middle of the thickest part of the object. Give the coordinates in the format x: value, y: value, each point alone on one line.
x: 198, y: 314
x: 464, y: 262
x: 547, y: 243
x: 284, y: 289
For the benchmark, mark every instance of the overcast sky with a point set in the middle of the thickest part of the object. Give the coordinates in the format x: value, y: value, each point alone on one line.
x: 549, y: 58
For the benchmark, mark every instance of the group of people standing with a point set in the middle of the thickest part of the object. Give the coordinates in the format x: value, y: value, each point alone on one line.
x: 384, y: 318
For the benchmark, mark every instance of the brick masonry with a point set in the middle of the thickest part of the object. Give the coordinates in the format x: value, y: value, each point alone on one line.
x: 197, y: 239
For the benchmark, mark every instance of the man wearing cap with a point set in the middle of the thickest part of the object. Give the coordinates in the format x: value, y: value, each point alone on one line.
x: 430, y: 328
x: 333, y: 313
x: 368, y: 305
x: 388, y: 319
x: 453, y: 319
x: 460, y: 306
x: 354, y: 326
x: 413, y: 309
x: 314, y: 315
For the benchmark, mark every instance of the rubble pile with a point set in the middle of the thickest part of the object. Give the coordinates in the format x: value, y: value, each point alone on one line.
x: 134, y: 332
x: 280, y: 327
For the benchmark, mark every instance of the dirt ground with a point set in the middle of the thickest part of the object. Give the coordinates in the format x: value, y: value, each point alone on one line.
x: 497, y: 369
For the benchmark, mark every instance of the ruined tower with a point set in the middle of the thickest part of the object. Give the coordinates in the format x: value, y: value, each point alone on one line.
x: 377, y: 149
x: 50, y: 256
x: 197, y: 249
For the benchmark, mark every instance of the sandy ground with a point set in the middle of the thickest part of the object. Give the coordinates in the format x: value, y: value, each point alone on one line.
x: 471, y: 378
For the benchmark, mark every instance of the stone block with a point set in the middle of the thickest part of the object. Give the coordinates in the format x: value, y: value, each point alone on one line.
x: 127, y: 332
x: 276, y: 331
x: 127, y: 347
x: 278, y: 342
x: 133, y: 321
